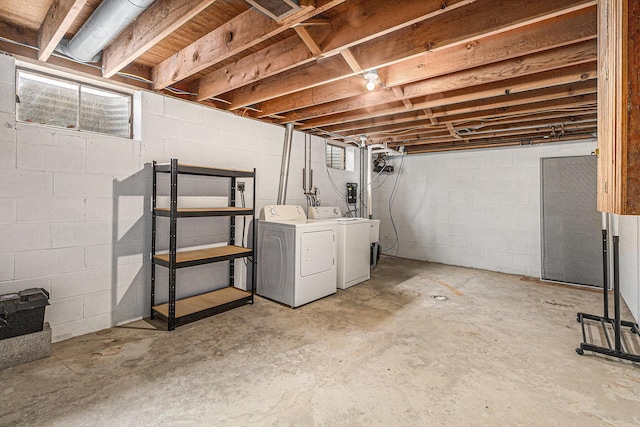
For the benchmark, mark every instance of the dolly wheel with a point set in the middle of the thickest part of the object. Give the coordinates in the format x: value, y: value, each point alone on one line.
x: 580, y: 351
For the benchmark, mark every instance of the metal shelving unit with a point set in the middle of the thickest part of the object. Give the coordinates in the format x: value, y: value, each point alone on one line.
x: 179, y: 312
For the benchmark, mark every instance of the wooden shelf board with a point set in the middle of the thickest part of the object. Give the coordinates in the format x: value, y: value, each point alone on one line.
x: 195, y: 304
x: 209, y: 253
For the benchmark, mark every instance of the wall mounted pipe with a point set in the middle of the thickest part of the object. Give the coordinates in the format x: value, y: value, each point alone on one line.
x: 284, y: 169
x: 369, y: 166
x: 106, y: 22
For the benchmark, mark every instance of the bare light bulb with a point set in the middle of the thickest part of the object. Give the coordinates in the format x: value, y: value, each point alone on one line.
x: 371, y: 77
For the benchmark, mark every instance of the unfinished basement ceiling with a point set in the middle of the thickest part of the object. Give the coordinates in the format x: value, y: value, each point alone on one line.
x: 453, y: 74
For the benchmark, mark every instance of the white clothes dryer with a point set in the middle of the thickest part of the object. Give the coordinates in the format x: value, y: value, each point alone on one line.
x: 354, y: 240
x: 296, y: 257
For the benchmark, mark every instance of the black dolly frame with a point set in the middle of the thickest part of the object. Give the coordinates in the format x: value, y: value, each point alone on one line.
x: 233, y: 297
x: 615, y: 349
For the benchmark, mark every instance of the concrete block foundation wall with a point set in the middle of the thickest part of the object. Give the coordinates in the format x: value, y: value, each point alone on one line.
x: 481, y: 209
x: 74, y: 206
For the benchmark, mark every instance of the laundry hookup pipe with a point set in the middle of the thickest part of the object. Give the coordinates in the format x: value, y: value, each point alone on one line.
x: 284, y: 169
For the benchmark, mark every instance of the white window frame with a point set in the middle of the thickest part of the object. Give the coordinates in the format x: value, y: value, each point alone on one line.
x: 81, y: 83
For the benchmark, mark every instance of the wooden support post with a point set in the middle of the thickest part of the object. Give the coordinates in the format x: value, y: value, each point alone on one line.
x: 619, y: 107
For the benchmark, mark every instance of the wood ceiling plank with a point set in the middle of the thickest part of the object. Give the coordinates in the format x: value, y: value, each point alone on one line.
x: 452, y: 146
x: 341, y: 34
x: 469, y: 133
x: 242, y: 32
x: 561, y: 104
x: 375, y: 18
x: 398, y: 93
x: 560, y: 31
x: 429, y: 113
x: 584, y: 52
x: 453, y: 132
x: 569, y: 75
x: 304, y: 77
x: 29, y: 38
x: 348, y: 56
x: 544, y: 132
x: 308, y: 40
x: 481, y: 19
x: 579, y: 53
x: 59, y: 18
x: 160, y: 20
x: 425, y: 123
x: 584, y: 88
x: 264, y: 63
x: 511, y: 44
x: 478, y: 111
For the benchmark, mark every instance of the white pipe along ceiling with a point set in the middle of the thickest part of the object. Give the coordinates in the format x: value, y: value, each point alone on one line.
x: 106, y: 22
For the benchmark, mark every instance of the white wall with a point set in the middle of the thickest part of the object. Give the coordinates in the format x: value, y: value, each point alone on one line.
x: 481, y: 209
x: 629, y: 229
x: 477, y: 208
x: 74, y: 207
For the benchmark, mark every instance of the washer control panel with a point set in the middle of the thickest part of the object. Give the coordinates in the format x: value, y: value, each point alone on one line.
x: 318, y: 212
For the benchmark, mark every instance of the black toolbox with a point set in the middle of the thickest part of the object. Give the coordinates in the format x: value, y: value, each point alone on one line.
x: 22, y: 313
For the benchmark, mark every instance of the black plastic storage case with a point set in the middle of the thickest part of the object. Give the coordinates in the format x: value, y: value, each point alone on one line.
x: 22, y: 313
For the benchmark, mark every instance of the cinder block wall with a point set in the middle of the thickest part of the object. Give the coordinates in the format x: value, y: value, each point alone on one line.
x: 476, y: 208
x: 630, y: 262
x: 74, y: 206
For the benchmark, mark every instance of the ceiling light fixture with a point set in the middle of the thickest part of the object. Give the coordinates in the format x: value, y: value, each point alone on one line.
x: 372, y: 78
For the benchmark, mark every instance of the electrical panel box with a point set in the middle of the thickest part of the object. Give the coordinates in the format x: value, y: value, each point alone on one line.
x: 352, y: 193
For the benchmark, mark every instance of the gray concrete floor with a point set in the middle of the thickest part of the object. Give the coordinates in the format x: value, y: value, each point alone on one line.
x: 499, y: 351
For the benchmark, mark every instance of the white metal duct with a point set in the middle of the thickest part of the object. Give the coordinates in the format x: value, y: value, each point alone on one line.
x: 106, y: 22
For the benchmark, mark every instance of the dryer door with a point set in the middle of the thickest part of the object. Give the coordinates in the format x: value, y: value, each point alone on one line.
x: 316, y: 252
x: 275, y: 263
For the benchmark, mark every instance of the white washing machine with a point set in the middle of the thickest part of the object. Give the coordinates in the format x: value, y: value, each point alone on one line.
x: 296, y: 257
x: 354, y: 241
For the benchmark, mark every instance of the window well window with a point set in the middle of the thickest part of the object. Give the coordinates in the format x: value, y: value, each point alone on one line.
x: 335, y: 156
x: 68, y: 104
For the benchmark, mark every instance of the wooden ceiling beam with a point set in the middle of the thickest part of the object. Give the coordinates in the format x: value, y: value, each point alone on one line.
x: 301, y: 78
x: 584, y: 106
x: 307, y: 39
x: 569, y: 75
x: 580, y: 53
x: 278, y: 57
x: 462, y: 133
x: 456, y: 145
x: 547, y: 134
x: 482, y: 19
x: 61, y: 14
x: 242, y: 32
x: 381, y: 16
x: 584, y: 52
x: 425, y: 124
x: 160, y: 20
x: 511, y: 44
x: 348, y: 57
x: 28, y: 37
x: 577, y: 103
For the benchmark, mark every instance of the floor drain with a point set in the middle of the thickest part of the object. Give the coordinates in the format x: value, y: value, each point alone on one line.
x: 439, y: 297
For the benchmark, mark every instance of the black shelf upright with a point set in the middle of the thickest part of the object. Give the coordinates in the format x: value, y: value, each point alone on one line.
x: 178, y: 312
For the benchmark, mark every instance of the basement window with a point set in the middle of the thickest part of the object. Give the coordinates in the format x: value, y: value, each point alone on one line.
x: 335, y: 156
x: 69, y: 104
